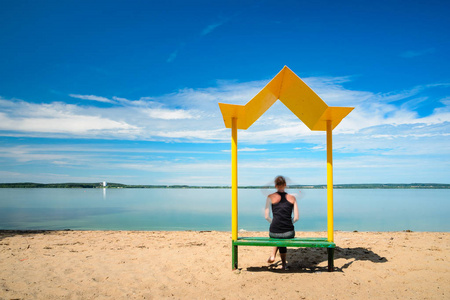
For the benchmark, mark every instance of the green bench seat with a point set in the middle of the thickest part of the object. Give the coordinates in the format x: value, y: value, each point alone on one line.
x: 295, y: 242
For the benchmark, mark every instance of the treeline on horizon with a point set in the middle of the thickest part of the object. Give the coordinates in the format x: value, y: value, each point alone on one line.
x: 320, y: 186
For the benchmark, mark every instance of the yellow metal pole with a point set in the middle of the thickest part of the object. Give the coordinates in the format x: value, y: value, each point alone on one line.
x: 330, y: 181
x: 234, y: 181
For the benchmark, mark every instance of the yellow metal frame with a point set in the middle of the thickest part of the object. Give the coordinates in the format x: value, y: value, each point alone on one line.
x: 234, y: 181
x: 306, y: 105
x: 330, y: 217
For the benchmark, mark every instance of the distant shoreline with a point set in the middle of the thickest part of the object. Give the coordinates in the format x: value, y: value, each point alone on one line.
x: 320, y: 186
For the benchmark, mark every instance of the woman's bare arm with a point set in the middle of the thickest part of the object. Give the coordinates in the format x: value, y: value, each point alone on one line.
x: 267, y: 210
x: 295, y: 209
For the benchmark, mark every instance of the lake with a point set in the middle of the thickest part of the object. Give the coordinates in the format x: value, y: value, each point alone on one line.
x: 210, y: 209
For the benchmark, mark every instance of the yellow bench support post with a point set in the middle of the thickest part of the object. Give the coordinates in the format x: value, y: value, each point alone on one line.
x: 314, y: 113
x: 330, y: 182
x: 330, y: 217
x: 234, y: 191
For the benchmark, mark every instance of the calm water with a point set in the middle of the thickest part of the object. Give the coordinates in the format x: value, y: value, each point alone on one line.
x: 210, y: 209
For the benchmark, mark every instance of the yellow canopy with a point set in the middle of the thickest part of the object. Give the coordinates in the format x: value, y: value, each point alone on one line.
x: 295, y: 94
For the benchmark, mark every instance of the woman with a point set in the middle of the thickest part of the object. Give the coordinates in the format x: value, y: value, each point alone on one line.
x: 282, y: 224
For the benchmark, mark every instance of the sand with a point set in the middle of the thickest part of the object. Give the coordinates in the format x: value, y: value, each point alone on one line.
x: 197, y: 265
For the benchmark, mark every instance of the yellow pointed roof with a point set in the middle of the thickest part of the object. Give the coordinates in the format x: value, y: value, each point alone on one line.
x: 295, y: 94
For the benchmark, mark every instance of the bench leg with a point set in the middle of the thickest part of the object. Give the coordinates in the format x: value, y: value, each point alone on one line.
x: 234, y: 256
x: 330, y: 252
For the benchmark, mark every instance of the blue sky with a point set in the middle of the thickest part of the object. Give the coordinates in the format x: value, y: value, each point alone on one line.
x: 127, y: 91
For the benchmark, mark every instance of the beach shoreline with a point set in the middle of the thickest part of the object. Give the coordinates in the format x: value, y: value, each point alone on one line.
x: 197, y: 264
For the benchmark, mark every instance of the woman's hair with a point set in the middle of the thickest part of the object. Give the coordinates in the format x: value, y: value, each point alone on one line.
x: 280, y: 181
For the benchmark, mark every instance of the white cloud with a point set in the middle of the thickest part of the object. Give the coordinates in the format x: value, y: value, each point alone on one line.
x: 193, y: 115
x: 246, y: 149
x: 168, y: 114
x: 92, y: 98
x: 58, y: 118
x: 76, y: 124
x: 47, y: 177
x: 252, y: 149
x: 211, y: 27
x: 172, y: 56
x: 195, y: 180
x: 445, y: 101
x: 381, y: 140
x: 194, y: 135
x: 415, y: 53
x: 25, y: 154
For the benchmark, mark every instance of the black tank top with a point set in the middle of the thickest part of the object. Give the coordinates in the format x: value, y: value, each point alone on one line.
x: 282, y: 215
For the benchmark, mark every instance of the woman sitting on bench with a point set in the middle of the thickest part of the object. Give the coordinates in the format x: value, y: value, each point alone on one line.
x: 282, y: 224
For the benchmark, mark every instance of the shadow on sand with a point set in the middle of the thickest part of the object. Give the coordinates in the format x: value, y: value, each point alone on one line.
x: 10, y: 233
x: 307, y: 260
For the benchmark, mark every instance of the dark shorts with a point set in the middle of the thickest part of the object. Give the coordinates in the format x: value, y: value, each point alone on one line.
x: 283, y: 235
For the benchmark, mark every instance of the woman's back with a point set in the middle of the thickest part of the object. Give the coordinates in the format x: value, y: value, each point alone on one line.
x: 282, y: 212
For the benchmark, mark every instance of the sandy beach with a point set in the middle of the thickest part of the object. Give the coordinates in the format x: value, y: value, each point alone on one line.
x: 197, y: 265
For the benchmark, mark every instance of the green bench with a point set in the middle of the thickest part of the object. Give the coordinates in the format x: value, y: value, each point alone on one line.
x: 295, y: 242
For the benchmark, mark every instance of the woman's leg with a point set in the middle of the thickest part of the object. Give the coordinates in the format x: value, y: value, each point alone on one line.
x: 283, y: 261
x: 273, y: 255
x: 283, y: 251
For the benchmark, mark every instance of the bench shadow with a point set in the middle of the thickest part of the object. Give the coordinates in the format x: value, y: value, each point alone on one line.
x: 307, y: 260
